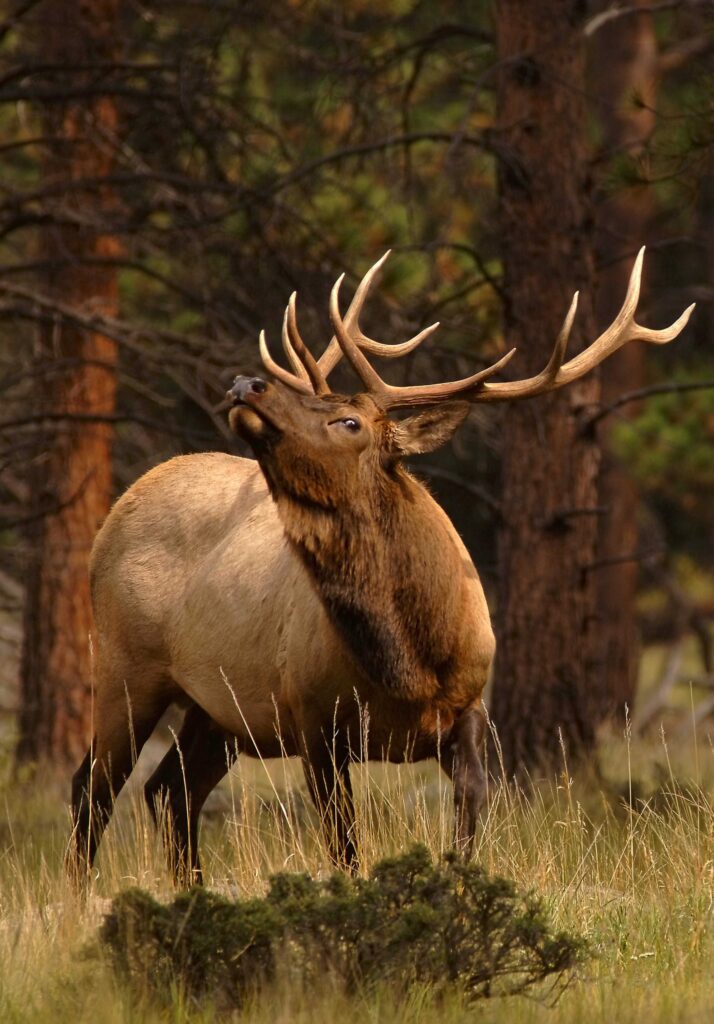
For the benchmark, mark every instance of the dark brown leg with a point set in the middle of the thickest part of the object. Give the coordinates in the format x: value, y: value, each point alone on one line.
x: 179, y: 787
x: 326, y: 766
x: 462, y: 761
x: 83, y: 846
x: 99, y: 779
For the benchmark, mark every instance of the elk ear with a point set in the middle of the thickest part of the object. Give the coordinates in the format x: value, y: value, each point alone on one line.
x: 428, y: 430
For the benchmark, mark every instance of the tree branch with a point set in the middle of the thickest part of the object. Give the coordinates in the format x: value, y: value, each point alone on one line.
x: 10, y: 23
x: 459, y: 481
x: 615, y: 13
x: 641, y: 393
x: 111, y: 418
x: 366, y: 148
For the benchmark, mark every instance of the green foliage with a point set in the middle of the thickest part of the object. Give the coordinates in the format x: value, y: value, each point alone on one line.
x: 266, y: 147
x: 448, y: 926
x: 669, y: 448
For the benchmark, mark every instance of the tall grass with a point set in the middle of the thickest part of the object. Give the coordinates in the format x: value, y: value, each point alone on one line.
x: 627, y: 860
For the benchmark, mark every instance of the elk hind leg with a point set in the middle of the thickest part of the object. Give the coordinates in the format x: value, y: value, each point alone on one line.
x: 196, y: 762
x: 122, y: 730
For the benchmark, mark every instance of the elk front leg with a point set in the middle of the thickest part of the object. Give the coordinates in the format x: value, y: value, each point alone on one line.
x: 462, y: 761
x: 194, y: 765
x: 327, y: 774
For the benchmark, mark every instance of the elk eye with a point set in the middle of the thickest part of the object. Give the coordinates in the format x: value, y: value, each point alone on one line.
x: 351, y: 422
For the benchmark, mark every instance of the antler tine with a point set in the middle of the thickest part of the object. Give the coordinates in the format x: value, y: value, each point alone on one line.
x: 307, y: 378
x: 665, y: 334
x: 388, y: 396
x: 333, y: 353
x: 287, y: 378
x: 556, y: 360
x: 367, y: 374
x: 317, y: 378
x: 622, y: 330
x: 617, y: 334
x: 318, y: 371
x: 544, y: 380
x: 632, y: 331
x: 290, y: 352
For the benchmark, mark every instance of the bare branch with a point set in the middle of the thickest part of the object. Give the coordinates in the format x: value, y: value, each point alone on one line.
x: 598, y: 21
x: 366, y: 148
x: 120, y: 332
x: 641, y: 393
x: 161, y: 426
x: 678, y: 56
x: 10, y: 23
x: 461, y: 482
x: 658, y: 700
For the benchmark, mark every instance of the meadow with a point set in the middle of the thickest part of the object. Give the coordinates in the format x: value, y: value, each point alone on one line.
x: 624, y: 857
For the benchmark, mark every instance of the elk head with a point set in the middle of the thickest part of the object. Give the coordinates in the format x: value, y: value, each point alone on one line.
x: 322, y: 448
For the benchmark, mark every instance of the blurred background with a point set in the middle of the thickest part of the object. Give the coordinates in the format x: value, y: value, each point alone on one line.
x: 172, y: 171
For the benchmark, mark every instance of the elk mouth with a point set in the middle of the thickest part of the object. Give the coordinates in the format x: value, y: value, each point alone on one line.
x: 248, y: 417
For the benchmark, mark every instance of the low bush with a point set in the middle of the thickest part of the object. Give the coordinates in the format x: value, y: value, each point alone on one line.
x: 412, y: 921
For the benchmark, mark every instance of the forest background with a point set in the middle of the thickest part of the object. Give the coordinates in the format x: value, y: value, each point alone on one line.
x: 172, y: 171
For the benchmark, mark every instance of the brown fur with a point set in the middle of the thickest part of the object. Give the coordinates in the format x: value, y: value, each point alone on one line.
x: 284, y: 603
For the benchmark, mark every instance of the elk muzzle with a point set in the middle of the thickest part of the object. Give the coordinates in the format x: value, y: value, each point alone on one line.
x: 255, y: 414
x: 244, y: 386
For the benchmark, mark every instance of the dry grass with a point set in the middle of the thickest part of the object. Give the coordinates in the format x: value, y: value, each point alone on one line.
x: 637, y: 881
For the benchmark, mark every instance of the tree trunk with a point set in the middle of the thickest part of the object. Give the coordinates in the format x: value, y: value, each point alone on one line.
x: 544, y: 700
x: 71, y: 477
x: 625, y: 76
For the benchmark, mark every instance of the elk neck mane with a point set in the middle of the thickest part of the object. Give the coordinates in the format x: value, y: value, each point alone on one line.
x: 390, y: 576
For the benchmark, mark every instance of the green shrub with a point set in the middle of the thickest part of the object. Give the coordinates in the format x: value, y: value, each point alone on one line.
x: 445, y: 925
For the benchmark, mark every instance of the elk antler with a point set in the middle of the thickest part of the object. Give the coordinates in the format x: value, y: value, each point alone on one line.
x: 310, y: 375
x: 622, y: 330
x: 477, y: 389
x: 386, y: 395
x: 333, y: 353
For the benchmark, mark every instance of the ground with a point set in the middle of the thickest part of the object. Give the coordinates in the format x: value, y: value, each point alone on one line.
x: 626, y: 858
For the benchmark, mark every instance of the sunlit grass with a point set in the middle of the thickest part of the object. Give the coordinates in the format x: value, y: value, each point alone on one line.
x: 628, y: 861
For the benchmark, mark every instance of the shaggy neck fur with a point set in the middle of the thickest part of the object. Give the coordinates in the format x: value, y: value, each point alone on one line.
x: 390, y: 577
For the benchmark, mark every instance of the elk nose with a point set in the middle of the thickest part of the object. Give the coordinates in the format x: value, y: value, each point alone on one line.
x: 243, y: 386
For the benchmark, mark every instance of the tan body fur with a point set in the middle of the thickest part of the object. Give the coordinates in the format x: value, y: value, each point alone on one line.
x: 198, y: 592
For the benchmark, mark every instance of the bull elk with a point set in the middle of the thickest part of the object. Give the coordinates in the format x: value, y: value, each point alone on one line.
x: 280, y: 598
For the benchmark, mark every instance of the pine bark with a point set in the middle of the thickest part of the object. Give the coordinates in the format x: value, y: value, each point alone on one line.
x: 544, y: 701
x: 625, y: 78
x: 71, y: 477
